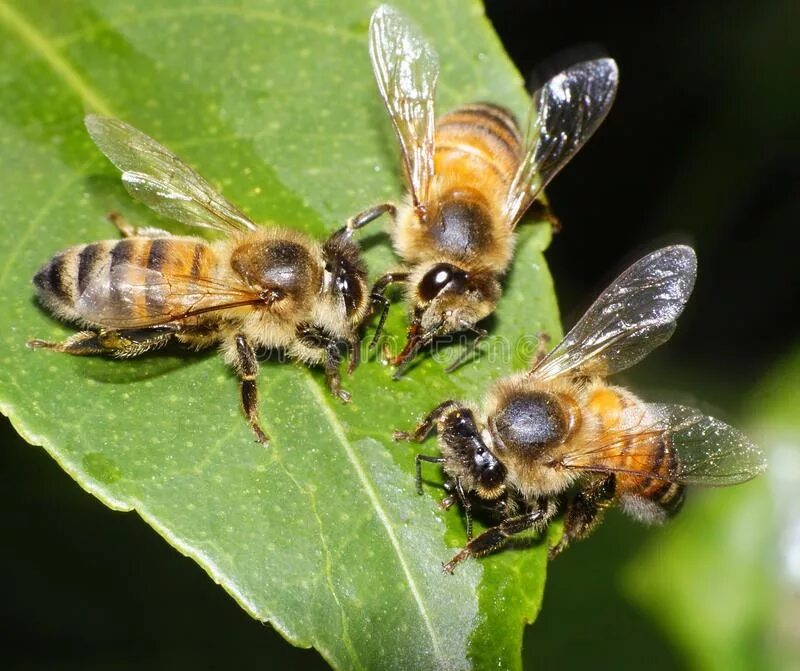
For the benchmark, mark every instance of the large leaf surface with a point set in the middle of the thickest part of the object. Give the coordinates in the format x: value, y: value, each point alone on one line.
x: 320, y: 534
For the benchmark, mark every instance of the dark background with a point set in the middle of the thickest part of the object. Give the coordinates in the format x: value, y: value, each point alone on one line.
x: 700, y: 147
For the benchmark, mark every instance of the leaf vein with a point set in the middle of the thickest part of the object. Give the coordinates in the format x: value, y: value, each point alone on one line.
x: 369, y: 488
x: 348, y: 642
x: 43, y: 45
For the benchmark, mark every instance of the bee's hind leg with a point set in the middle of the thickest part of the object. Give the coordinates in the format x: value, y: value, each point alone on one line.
x: 121, y: 343
x: 83, y: 343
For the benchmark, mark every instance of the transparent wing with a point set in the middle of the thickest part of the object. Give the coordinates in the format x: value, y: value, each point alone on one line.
x: 630, y: 318
x: 161, y: 180
x: 705, y: 450
x: 135, y: 297
x: 564, y: 114
x: 406, y: 69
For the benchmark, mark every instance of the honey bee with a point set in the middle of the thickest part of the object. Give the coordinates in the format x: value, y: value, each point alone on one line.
x: 560, y: 437
x: 257, y: 287
x: 471, y: 176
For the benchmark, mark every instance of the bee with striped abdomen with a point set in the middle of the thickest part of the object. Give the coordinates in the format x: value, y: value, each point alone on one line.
x: 471, y: 176
x: 258, y: 287
x: 561, y: 437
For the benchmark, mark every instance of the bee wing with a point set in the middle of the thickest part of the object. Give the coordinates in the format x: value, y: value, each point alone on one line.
x: 707, y: 451
x: 564, y: 114
x: 406, y: 69
x: 161, y: 180
x: 109, y: 298
x: 632, y: 317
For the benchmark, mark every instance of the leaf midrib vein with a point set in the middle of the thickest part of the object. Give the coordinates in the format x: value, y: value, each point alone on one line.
x: 346, y: 639
x: 338, y: 430
x: 43, y: 45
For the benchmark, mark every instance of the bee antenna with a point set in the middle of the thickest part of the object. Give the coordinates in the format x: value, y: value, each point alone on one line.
x: 343, y: 232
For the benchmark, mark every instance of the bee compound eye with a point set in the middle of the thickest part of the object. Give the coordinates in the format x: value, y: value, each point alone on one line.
x: 348, y: 287
x: 437, y: 278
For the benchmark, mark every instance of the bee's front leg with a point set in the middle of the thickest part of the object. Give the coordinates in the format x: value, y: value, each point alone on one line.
x: 370, y: 214
x: 317, y: 340
x: 426, y: 425
x: 246, y: 366
x: 332, y: 377
x: 378, y: 295
x: 421, y: 433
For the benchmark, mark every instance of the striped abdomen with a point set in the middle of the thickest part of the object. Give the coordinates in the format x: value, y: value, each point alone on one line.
x: 652, y: 455
x: 647, y: 452
x: 479, y: 147
x: 477, y: 152
x: 664, y: 492
x: 119, y: 283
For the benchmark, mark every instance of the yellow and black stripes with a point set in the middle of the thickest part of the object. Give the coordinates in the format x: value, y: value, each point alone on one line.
x: 63, y: 279
x: 661, y: 468
x: 665, y: 491
x: 88, y: 260
x: 54, y: 279
x: 480, y: 131
x: 133, y: 279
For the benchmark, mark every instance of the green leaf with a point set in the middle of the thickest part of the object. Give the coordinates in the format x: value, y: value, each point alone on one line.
x: 321, y: 534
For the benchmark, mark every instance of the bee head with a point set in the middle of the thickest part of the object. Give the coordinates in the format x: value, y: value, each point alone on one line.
x: 346, y: 276
x: 467, y: 458
x: 446, y: 299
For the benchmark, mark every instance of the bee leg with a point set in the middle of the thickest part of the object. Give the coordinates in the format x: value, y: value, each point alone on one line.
x: 384, y: 302
x: 83, y: 343
x: 494, y: 538
x: 118, y: 343
x: 246, y: 366
x: 333, y: 379
x: 585, y: 512
x: 370, y: 214
x: 333, y: 359
x: 418, y: 467
x: 354, y: 348
x: 467, y: 506
x: 126, y: 230
x: 378, y: 295
x: 316, y: 338
x: 426, y: 425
